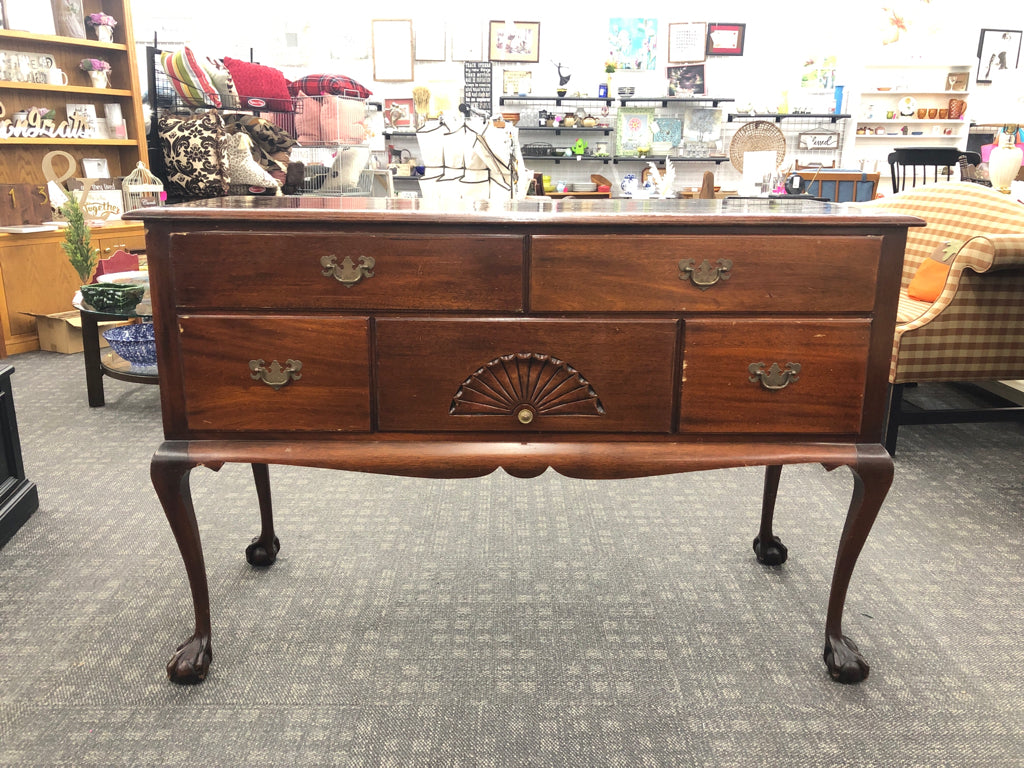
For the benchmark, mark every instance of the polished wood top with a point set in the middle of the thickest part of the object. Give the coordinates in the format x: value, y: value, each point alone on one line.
x: 619, y: 211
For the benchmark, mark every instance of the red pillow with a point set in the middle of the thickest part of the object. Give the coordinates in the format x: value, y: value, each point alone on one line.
x: 328, y: 85
x: 260, y: 87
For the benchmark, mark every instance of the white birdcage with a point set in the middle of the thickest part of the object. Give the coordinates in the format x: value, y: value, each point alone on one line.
x: 142, y: 189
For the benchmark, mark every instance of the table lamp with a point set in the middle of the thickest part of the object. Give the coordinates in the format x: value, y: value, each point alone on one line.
x: 1004, y: 104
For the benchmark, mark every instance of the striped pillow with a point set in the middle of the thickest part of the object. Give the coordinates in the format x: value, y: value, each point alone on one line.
x: 189, y: 78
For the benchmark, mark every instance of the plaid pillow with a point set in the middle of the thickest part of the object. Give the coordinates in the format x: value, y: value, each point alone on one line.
x: 328, y: 85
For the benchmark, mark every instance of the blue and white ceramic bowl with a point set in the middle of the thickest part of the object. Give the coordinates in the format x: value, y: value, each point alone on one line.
x: 134, y: 343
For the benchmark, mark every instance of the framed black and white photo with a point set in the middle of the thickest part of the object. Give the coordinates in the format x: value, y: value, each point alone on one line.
x: 998, y: 49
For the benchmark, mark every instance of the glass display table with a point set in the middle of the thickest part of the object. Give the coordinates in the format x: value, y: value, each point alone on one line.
x: 105, y: 362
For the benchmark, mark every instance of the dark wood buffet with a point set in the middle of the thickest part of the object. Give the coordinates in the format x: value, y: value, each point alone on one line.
x: 602, y: 339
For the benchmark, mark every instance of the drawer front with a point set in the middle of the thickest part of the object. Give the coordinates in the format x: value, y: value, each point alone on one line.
x: 808, y: 376
x: 222, y: 392
x: 321, y: 270
x: 526, y: 375
x: 748, y: 273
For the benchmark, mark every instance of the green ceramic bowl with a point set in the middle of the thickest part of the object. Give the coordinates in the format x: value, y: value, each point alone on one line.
x: 113, y: 297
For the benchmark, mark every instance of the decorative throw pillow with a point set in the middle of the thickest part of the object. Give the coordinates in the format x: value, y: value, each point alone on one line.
x: 220, y: 76
x: 193, y: 155
x: 242, y: 167
x: 307, y: 119
x: 929, y: 280
x: 259, y: 86
x: 342, y: 121
x: 189, y: 78
x: 324, y: 85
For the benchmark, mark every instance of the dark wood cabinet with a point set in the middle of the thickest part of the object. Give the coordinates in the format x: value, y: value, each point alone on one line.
x: 18, y: 496
x: 603, y: 339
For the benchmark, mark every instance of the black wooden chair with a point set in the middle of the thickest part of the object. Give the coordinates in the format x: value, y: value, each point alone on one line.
x: 931, y: 163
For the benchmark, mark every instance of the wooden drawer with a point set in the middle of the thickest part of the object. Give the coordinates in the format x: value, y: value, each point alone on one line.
x: 257, y: 270
x: 567, y: 375
x: 331, y: 395
x: 768, y: 274
x: 827, y: 396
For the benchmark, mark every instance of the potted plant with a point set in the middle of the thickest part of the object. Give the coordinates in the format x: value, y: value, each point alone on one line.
x: 78, y: 241
x: 103, y: 24
x: 98, y: 71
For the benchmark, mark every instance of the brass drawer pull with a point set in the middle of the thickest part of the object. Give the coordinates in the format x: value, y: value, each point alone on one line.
x: 774, y: 377
x: 705, y: 275
x: 348, y: 273
x: 275, y: 375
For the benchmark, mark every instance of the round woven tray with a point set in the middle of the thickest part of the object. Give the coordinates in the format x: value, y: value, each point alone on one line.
x: 758, y: 136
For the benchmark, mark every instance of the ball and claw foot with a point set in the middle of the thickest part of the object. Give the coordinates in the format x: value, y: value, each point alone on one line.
x: 191, y: 661
x: 258, y: 555
x: 771, y: 553
x: 844, y: 662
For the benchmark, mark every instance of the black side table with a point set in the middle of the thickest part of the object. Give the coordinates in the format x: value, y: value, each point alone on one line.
x: 106, y: 363
x: 18, y: 497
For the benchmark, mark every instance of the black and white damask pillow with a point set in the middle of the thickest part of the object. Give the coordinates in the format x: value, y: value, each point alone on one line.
x: 192, y: 149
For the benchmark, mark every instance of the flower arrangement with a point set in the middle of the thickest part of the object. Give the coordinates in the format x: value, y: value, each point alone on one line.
x: 100, y: 20
x: 94, y: 65
x: 610, y: 66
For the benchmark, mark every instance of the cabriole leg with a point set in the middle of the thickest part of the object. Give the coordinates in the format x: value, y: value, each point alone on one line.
x: 768, y: 548
x: 872, y: 477
x: 169, y: 471
x: 264, y: 548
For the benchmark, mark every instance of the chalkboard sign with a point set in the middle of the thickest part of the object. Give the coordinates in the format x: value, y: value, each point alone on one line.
x: 478, y: 84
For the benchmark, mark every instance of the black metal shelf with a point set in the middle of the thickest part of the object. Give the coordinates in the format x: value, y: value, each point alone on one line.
x: 622, y: 100
x: 778, y: 117
x: 558, y: 130
x: 616, y: 159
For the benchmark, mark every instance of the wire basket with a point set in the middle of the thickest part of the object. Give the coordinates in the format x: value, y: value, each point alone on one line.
x: 142, y: 189
x: 758, y: 136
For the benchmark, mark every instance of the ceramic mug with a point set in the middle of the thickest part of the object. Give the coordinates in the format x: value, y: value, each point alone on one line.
x: 56, y: 76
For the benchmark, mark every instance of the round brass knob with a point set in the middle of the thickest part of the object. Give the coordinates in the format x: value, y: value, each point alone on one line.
x: 525, y: 415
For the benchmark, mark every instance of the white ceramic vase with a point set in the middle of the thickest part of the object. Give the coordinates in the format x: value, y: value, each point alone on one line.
x: 99, y: 79
x: 105, y: 34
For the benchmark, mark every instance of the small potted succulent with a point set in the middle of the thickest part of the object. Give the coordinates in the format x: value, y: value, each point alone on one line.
x: 104, y: 26
x: 98, y: 71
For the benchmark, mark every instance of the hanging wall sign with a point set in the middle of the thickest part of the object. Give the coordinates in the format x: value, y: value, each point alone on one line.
x: 477, y: 75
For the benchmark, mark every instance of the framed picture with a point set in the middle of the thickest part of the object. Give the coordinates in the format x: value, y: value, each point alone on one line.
x: 725, y: 39
x: 95, y: 168
x: 686, y: 42
x: 634, y: 128
x: 515, y: 41
x: 431, y: 40
x: 998, y: 49
x: 687, y: 80
x: 398, y: 113
x: 392, y: 50
x: 633, y: 43
x: 957, y: 81
x: 30, y: 16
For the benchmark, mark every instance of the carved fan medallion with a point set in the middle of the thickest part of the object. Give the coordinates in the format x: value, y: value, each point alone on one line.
x: 523, y: 384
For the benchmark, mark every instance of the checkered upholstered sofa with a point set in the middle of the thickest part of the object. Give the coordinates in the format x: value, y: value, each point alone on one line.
x: 974, y: 330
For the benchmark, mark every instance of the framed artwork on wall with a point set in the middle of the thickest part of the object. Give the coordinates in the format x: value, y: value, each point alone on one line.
x: 687, y: 80
x: 725, y: 39
x: 398, y: 113
x: 515, y: 41
x: 686, y: 42
x: 30, y: 16
x: 998, y: 49
x: 392, y: 50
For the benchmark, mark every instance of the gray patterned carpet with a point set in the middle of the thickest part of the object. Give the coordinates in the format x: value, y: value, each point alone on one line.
x: 503, y: 622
